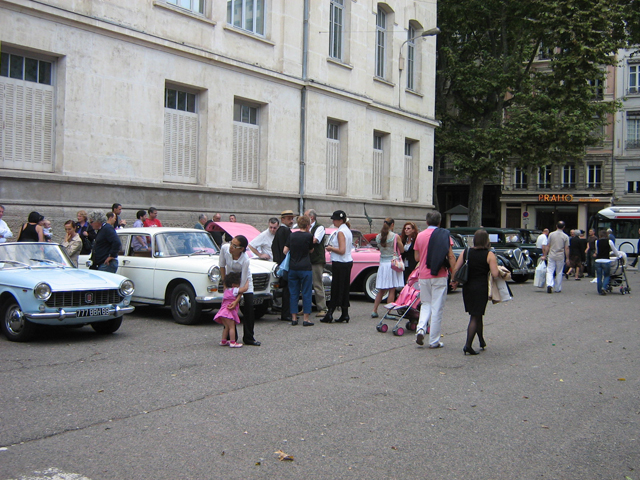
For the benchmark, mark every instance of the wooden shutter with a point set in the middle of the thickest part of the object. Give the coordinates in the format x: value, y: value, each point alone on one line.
x: 408, y: 178
x: 378, y: 173
x: 246, y: 155
x: 333, y: 166
x: 26, y: 125
x: 180, y: 146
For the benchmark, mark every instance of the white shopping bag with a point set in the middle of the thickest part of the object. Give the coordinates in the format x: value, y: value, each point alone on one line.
x: 540, y: 277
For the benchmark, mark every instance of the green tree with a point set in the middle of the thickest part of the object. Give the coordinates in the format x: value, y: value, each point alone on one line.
x: 497, y: 100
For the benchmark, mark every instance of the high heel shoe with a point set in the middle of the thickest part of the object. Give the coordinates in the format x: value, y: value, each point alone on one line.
x: 470, y: 351
x: 328, y: 318
x: 343, y: 318
x: 482, y: 344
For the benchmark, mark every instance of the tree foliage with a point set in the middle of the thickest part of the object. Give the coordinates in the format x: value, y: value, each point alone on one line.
x: 496, y: 98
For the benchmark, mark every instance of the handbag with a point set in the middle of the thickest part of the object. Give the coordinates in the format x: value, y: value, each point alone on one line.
x: 396, y: 262
x: 540, y: 278
x: 284, y: 266
x: 462, y: 275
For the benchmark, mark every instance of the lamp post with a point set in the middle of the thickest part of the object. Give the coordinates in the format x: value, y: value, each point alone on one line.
x: 427, y: 33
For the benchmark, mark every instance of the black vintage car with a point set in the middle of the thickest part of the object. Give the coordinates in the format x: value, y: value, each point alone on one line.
x: 507, y: 244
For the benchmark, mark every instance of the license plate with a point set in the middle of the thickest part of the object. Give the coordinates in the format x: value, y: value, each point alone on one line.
x: 92, y: 312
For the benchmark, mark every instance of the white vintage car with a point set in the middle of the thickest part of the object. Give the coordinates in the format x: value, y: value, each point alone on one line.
x: 179, y: 267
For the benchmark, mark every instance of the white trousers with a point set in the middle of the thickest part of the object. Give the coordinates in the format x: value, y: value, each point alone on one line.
x: 555, y: 267
x: 433, y: 293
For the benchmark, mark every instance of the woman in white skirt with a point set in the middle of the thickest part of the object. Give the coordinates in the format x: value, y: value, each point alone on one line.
x: 388, y: 279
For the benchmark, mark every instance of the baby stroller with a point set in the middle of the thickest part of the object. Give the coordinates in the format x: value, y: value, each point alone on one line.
x: 618, y: 275
x: 406, y: 307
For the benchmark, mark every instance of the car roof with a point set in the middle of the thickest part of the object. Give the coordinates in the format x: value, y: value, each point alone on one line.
x: 472, y: 230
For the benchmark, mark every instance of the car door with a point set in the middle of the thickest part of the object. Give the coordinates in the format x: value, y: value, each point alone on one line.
x: 139, y: 265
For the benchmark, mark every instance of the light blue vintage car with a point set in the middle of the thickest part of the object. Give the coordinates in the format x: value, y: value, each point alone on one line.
x: 40, y: 286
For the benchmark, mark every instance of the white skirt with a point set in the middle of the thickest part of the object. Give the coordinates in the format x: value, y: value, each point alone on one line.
x: 388, y: 278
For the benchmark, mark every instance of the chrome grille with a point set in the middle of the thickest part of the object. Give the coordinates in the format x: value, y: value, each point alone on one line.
x: 517, y: 254
x: 261, y: 282
x: 78, y: 298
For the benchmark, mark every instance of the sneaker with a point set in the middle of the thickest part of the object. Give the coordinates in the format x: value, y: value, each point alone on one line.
x: 420, y: 337
x: 235, y: 345
x: 321, y: 313
x: 438, y: 345
x: 224, y: 343
x: 374, y: 315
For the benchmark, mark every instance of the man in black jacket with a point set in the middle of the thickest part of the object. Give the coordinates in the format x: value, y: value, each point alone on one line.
x: 277, y: 250
x: 104, y: 256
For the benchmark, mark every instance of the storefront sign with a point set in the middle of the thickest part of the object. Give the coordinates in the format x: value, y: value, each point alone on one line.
x: 555, y: 198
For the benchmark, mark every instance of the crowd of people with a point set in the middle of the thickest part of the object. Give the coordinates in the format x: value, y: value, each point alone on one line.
x: 428, y: 252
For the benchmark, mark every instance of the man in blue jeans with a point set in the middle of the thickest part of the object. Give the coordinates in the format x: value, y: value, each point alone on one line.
x: 104, y: 255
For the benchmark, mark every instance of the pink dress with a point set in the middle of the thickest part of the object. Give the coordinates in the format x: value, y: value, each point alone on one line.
x: 229, y: 296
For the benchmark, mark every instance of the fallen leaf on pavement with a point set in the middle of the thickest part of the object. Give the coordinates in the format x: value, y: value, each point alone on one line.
x: 622, y: 379
x: 283, y: 456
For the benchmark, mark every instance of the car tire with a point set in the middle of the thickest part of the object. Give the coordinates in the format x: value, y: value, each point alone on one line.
x: 14, y: 325
x: 369, y: 284
x: 520, y: 278
x: 184, y: 308
x: 107, y: 327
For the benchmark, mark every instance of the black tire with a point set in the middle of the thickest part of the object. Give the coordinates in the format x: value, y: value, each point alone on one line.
x: 108, y: 326
x: 260, y: 311
x: 369, y: 285
x: 14, y: 325
x: 520, y: 278
x: 184, y: 308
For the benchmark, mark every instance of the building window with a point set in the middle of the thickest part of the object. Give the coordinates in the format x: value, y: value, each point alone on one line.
x: 633, y: 130
x: 336, y: 29
x: 195, y: 6
x: 544, y: 52
x: 544, y: 177
x: 411, y: 58
x: 410, y: 173
x: 333, y: 157
x: 378, y: 166
x: 569, y: 176
x: 381, y: 42
x: 633, y: 79
x: 594, y: 176
x: 246, y: 145
x: 633, y: 187
x: 26, y: 113
x: 598, y: 89
x: 180, y: 136
x: 520, y: 179
x: 247, y: 14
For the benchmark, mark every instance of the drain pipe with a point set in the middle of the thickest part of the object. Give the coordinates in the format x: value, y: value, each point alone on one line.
x: 303, y: 105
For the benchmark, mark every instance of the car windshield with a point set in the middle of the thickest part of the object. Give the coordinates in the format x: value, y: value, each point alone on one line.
x: 358, y: 241
x: 174, y: 244
x: 33, y: 255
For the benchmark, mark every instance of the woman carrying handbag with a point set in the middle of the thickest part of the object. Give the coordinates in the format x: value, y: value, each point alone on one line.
x: 388, y: 278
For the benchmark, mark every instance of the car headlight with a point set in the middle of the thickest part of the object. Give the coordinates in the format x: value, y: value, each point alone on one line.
x: 126, y: 288
x: 42, y: 291
x: 525, y: 253
x: 214, y: 274
x: 509, y: 253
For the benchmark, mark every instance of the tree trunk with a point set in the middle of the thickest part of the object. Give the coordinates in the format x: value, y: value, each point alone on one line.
x: 476, y: 189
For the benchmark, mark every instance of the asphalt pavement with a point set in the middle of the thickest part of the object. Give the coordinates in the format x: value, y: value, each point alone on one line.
x: 555, y: 396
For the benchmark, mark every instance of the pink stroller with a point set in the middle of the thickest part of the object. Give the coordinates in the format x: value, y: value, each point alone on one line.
x: 406, y: 307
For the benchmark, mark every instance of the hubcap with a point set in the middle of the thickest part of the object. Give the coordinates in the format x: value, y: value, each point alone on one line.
x: 183, y: 305
x: 15, y: 320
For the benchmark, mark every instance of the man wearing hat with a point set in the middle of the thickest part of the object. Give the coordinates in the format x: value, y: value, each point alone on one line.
x: 277, y: 249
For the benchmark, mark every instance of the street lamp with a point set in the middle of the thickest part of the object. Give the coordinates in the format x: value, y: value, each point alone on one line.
x: 427, y: 33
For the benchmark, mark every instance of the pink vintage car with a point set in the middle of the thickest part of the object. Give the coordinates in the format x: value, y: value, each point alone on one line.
x: 366, y: 260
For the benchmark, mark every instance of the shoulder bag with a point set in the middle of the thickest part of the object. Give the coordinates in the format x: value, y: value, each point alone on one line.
x: 396, y: 262
x: 462, y: 275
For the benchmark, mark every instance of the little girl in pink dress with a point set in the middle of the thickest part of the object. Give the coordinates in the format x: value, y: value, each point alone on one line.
x: 228, y: 313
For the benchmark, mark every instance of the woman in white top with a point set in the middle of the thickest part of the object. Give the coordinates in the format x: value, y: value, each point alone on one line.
x: 341, y: 262
x: 234, y: 259
x: 72, y: 243
x: 387, y: 279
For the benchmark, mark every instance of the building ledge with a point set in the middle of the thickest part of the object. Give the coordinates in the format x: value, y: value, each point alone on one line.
x: 182, y: 11
x: 338, y: 63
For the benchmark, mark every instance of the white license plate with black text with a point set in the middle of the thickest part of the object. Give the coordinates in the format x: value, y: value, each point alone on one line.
x: 92, y: 312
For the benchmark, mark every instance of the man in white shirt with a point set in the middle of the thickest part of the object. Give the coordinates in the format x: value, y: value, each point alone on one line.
x: 261, y: 245
x: 542, y: 239
x: 5, y: 231
x: 556, y: 252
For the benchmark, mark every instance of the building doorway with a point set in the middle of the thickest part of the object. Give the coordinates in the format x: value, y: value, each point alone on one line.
x: 549, y: 216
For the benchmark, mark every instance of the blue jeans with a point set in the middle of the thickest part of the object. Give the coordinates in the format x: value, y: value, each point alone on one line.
x: 300, y: 280
x: 603, y: 271
x: 112, y: 267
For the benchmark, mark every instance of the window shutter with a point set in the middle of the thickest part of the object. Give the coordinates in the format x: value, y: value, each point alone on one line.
x: 333, y: 166
x: 180, y: 146
x: 377, y: 173
x: 246, y: 152
x: 26, y: 115
x: 408, y: 178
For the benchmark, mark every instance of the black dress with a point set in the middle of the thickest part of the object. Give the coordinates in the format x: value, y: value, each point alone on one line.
x: 409, y: 257
x: 476, y: 291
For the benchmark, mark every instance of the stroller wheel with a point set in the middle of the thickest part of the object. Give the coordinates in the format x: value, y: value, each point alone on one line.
x: 411, y: 326
x: 398, y: 332
x: 379, y: 328
x: 384, y: 328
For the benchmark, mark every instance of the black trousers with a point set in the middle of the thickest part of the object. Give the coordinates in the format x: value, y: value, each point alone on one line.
x: 340, y: 284
x: 248, y: 320
x: 285, y: 313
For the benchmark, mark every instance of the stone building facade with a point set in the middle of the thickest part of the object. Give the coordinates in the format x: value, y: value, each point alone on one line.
x: 238, y: 106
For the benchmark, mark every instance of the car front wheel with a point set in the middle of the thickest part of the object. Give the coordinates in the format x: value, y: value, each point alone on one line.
x: 519, y: 278
x: 370, y: 285
x: 14, y: 325
x: 107, y: 327
x: 184, y: 308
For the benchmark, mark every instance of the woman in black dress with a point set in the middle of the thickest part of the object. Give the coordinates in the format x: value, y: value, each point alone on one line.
x: 475, y: 291
x: 408, y: 238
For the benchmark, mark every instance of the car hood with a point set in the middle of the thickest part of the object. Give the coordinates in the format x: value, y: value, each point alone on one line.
x: 202, y: 264
x: 61, y: 279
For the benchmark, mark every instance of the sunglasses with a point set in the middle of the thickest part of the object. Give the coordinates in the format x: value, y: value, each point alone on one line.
x: 235, y: 246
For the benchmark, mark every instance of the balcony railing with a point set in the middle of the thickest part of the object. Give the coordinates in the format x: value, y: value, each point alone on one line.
x: 632, y: 144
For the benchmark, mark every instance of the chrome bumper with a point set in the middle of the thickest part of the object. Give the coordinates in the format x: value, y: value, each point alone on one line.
x: 62, y: 314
